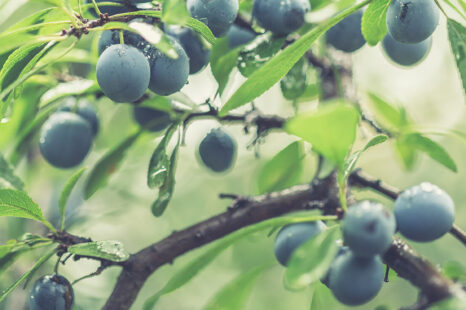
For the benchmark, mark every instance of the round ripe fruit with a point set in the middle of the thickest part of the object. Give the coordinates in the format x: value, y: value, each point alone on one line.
x: 356, y: 280
x: 218, y: 15
x: 346, y: 35
x: 217, y: 150
x: 412, y: 21
x: 52, y: 292
x: 290, y: 237
x: 281, y: 17
x: 123, y: 73
x: 65, y: 139
x: 195, y: 50
x: 168, y: 75
x: 368, y: 228
x: 406, y: 54
x: 83, y: 108
x: 238, y: 36
x: 152, y: 119
x: 424, y: 212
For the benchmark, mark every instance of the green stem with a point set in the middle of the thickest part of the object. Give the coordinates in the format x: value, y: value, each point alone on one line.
x: 96, y: 8
x: 122, y: 37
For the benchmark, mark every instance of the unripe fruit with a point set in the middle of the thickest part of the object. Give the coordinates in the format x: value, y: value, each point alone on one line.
x: 217, y: 150
x: 123, y: 73
x: 281, y: 17
x: 83, y: 108
x: 346, y: 35
x: 152, y: 119
x: 168, y: 75
x: 238, y: 36
x: 51, y: 292
x: 406, y: 54
x: 65, y: 139
x: 424, y: 212
x: 412, y: 21
x: 356, y: 280
x: 197, y: 53
x: 290, y: 237
x: 368, y: 228
x: 218, y: 15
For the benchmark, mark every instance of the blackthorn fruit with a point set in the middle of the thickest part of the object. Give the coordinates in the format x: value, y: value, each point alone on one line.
x: 218, y: 15
x: 152, y: 119
x: 281, y: 17
x: 356, y: 280
x: 51, y: 292
x: 65, y: 139
x: 290, y: 237
x: 368, y: 228
x: 346, y: 35
x: 123, y: 73
x: 424, y: 212
x: 83, y: 108
x: 238, y: 36
x: 412, y: 21
x: 217, y: 150
x: 406, y: 54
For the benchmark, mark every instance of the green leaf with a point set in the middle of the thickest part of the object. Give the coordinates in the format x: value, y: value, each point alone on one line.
x: 18, y: 204
x: 159, y: 162
x: 294, y: 84
x: 159, y: 103
x: 393, y: 118
x: 407, y: 153
x: 7, y: 176
x: 431, y: 148
x: 65, y: 194
x: 107, y: 165
x: 25, y: 276
x: 322, y: 297
x: 350, y: 162
x: 331, y: 130
x: 222, y: 61
x: 190, y: 270
x: 256, y: 53
x: 175, y: 12
x: 277, y: 67
x: 311, y: 260
x: 283, y: 170
x: 234, y: 295
x: 76, y: 87
x: 457, y: 36
x: 373, y: 23
x: 110, y: 250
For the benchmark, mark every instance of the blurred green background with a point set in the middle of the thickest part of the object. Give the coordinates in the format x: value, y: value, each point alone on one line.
x: 431, y: 93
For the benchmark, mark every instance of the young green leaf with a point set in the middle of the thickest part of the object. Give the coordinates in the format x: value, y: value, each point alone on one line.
x: 283, y: 170
x: 407, y: 153
x: 18, y: 204
x: 373, y: 23
x: 108, y: 164
x: 25, y: 276
x: 431, y: 148
x: 222, y: 62
x: 331, y: 130
x: 294, y: 84
x: 234, y: 295
x: 392, y: 117
x: 277, y: 67
x: 7, y: 176
x: 311, y: 261
x: 457, y: 36
x: 65, y: 194
x: 256, y: 53
x: 189, y: 271
x: 110, y: 250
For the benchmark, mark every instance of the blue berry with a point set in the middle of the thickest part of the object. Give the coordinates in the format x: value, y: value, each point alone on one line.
x: 52, y: 292
x: 424, y: 212
x: 238, y: 36
x: 279, y: 16
x: 152, y: 119
x: 368, y: 228
x: 65, y: 139
x: 406, y: 54
x: 123, y: 73
x: 346, y: 35
x: 356, y: 280
x: 218, y: 15
x: 290, y: 237
x: 83, y: 108
x: 217, y: 150
x: 412, y: 21
x: 341, y: 250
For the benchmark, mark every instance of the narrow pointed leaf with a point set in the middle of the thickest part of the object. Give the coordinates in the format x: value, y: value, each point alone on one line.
x: 457, y: 36
x: 7, y: 176
x: 65, y: 194
x: 373, y: 23
x: 109, y: 250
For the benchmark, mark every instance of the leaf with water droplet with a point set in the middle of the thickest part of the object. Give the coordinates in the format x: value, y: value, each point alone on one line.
x: 109, y: 250
x: 457, y: 36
